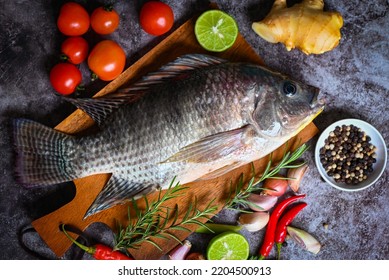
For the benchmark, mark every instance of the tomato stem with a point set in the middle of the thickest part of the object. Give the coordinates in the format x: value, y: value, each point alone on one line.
x: 63, y: 57
x: 94, y: 77
x: 80, y: 88
x: 108, y: 7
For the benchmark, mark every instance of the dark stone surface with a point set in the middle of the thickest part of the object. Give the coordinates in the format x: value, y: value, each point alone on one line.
x: 353, y: 77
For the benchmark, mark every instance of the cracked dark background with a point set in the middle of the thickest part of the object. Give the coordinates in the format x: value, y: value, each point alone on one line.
x: 353, y: 78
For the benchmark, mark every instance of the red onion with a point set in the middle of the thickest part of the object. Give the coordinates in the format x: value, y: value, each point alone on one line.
x: 275, y: 186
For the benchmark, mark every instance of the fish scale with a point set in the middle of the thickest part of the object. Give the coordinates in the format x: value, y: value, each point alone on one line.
x: 198, y: 118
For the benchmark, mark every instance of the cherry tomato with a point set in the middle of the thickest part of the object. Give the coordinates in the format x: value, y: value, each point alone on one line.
x: 107, y: 60
x: 65, y: 77
x: 156, y: 18
x: 73, y: 19
x: 104, y: 20
x: 75, y: 49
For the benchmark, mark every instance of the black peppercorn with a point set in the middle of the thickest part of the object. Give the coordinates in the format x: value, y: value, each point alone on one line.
x: 348, y: 155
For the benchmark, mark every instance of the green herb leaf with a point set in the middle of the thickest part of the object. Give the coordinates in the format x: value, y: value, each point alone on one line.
x: 158, y: 220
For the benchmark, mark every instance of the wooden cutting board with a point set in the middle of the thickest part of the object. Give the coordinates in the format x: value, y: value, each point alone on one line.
x: 181, y: 41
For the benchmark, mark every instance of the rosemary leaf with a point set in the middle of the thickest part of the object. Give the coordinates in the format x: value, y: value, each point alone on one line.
x: 154, y: 244
x: 178, y: 227
x: 161, y: 236
x: 172, y: 236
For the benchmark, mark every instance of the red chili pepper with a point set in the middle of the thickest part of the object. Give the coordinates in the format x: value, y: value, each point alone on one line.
x: 286, y: 219
x: 99, y: 251
x: 102, y: 252
x: 268, y: 241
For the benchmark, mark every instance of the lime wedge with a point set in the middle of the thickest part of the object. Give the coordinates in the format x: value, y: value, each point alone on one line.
x: 228, y: 246
x: 216, y: 31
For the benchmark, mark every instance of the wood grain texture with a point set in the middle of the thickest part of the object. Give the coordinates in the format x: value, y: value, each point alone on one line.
x: 181, y: 41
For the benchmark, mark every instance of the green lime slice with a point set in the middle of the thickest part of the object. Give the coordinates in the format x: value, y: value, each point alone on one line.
x: 228, y: 246
x: 216, y: 31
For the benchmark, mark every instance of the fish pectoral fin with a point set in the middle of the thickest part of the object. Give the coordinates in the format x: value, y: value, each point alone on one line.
x: 212, y: 147
x: 221, y: 171
x: 100, y: 108
x: 119, y: 191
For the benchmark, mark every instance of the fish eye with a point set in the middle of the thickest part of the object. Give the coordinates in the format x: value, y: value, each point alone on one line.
x: 289, y: 88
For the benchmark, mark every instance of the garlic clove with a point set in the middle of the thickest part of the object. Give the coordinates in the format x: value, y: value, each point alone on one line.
x: 254, y: 221
x: 181, y: 251
x: 295, y: 176
x: 261, y: 202
x: 304, y: 239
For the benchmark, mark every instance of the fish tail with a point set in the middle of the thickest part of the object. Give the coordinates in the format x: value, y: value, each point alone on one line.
x: 43, y: 155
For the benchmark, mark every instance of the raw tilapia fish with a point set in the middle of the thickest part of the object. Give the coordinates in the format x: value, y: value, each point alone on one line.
x: 198, y: 117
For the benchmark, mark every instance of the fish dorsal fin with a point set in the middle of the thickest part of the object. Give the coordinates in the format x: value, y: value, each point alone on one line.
x: 173, y: 70
x: 212, y: 147
x: 101, y: 107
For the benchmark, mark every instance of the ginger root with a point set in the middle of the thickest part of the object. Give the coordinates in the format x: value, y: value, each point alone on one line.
x: 304, y: 26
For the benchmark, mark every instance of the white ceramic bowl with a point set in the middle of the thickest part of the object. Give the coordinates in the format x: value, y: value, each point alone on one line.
x: 381, y: 155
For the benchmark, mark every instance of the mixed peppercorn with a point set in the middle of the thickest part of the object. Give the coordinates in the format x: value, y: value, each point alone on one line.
x: 348, y: 156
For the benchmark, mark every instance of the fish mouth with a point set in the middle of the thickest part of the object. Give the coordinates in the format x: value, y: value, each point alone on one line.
x: 315, y: 102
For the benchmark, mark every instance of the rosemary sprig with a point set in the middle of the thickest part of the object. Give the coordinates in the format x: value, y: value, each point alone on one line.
x: 241, y: 194
x: 157, y: 220
x: 239, y: 200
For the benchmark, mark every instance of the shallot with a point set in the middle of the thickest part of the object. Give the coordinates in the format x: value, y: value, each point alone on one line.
x: 181, y: 251
x: 295, y: 176
x: 304, y: 239
x: 275, y: 186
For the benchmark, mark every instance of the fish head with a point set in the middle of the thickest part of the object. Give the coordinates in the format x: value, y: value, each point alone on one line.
x: 284, y: 106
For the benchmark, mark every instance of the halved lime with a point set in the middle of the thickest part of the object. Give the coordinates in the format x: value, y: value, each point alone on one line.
x: 228, y: 246
x: 216, y: 31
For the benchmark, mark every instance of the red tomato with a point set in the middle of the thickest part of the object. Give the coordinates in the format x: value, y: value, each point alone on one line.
x: 75, y: 49
x: 104, y: 20
x: 156, y: 18
x: 73, y: 19
x: 107, y: 60
x: 65, y: 77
